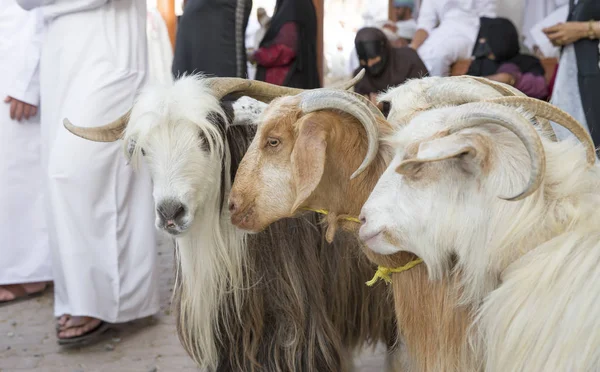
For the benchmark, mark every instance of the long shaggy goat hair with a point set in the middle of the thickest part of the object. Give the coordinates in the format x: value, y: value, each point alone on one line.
x: 280, y: 300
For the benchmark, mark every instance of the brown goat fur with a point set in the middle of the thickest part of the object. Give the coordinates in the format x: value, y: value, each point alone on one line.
x: 306, y: 307
x: 273, y: 183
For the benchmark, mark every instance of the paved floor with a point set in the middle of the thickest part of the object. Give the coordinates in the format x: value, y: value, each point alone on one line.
x: 28, y: 341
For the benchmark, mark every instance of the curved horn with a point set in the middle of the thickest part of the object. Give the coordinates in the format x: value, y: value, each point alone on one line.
x: 504, y: 89
x: 263, y: 91
x: 458, y: 90
x: 259, y: 90
x: 481, y: 113
x: 550, y: 112
x: 106, y: 133
x: 351, y: 103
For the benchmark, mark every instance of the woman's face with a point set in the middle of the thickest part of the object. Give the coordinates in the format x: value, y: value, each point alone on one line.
x: 372, y: 55
x: 370, y: 62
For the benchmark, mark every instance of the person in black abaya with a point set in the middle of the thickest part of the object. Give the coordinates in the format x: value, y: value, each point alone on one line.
x: 288, y: 52
x: 211, y: 38
x: 496, y: 56
x: 385, y: 66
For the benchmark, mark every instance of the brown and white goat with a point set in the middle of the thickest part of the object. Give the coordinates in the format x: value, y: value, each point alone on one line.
x: 299, y: 161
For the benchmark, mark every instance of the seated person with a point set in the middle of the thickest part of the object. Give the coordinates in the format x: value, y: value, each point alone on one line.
x: 497, y: 57
x: 385, y: 66
x: 447, y: 31
x: 405, y: 25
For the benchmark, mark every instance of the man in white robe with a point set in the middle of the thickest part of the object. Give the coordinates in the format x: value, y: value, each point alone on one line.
x: 25, y: 263
x: 103, y: 242
x: 447, y: 31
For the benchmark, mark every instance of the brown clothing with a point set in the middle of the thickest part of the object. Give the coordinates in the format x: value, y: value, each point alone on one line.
x: 403, y: 64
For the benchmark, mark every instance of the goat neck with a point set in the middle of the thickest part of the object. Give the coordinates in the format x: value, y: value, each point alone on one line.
x: 346, y: 147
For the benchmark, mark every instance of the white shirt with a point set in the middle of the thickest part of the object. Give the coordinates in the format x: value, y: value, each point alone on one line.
x: 435, y: 12
x: 55, y: 8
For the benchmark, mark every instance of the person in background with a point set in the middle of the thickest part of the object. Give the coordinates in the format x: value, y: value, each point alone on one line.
x: 384, y: 66
x: 534, y: 12
x: 100, y: 213
x: 403, y: 10
x: 25, y: 261
x: 577, y: 85
x: 404, y: 26
x: 288, y: 52
x: 211, y: 38
x: 265, y: 21
x: 496, y: 56
x: 447, y: 31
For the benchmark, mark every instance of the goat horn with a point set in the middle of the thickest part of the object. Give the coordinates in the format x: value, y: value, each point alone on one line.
x: 259, y: 90
x: 504, y: 89
x: 106, y: 133
x: 350, y: 103
x: 510, y: 91
x: 263, y: 91
x: 480, y: 113
x: 550, y: 112
x: 458, y: 90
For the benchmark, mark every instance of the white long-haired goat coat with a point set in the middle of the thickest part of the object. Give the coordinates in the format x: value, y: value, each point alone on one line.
x: 532, y: 266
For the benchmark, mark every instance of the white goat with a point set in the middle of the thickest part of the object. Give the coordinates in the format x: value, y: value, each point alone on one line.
x: 529, y: 261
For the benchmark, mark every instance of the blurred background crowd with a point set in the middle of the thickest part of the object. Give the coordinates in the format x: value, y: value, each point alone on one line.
x: 74, y: 214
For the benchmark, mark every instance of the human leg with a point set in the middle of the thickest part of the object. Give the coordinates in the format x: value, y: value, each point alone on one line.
x: 444, y: 47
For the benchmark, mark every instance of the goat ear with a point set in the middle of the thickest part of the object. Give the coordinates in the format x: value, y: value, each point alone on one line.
x: 308, y: 160
x: 449, y: 147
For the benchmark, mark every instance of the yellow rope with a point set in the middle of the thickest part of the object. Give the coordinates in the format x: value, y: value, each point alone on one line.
x: 383, y: 273
x: 323, y: 211
x: 386, y: 272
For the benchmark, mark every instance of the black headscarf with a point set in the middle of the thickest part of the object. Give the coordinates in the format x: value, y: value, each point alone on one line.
x: 498, y: 36
x: 303, y: 72
x: 396, y: 66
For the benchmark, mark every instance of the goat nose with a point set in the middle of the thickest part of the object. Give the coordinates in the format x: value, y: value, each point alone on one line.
x: 170, y: 211
x: 363, y: 219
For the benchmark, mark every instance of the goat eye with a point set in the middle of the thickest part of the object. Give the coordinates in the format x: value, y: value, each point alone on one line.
x: 143, y: 152
x: 273, y: 142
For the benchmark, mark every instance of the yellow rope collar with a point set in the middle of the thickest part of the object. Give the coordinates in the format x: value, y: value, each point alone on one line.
x: 324, y: 212
x: 385, y: 273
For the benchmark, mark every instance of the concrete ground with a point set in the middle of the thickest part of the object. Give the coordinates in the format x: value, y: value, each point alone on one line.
x: 28, y: 340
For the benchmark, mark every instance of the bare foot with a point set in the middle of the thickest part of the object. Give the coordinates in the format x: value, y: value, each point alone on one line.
x: 75, y: 326
x: 13, y: 291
